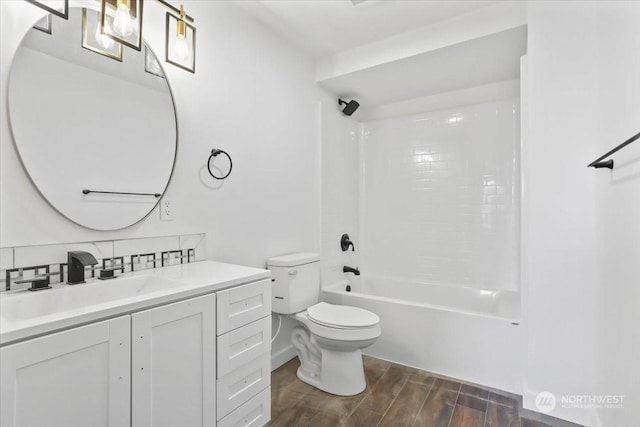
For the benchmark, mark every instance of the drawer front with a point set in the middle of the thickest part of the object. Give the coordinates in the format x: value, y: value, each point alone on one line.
x: 240, y: 385
x: 242, y: 345
x: 254, y: 413
x: 243, y: 304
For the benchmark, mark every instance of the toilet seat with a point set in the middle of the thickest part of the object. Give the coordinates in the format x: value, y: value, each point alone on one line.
x: 341, y: 316
x: 329, y: 322
x: 338, y: 333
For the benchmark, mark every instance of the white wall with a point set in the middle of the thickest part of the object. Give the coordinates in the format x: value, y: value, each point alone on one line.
x: 618, y: 213
x: 581, y: 231
x: 252, y: 95
x: 559, y: 234
x: 442, y: 196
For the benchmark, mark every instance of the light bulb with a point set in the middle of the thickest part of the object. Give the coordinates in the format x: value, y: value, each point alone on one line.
x: 104, y: 41
x: 181, y: 48
x: 122, y: 23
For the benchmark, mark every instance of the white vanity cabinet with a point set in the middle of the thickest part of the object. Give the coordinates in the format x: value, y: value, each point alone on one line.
x: 198, y: 362
x: 173, y: 364
x: 244, y: 361
x: 79, y: 377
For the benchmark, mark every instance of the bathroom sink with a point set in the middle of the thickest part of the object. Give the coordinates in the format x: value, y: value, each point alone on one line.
x: 25, y: 314
x: 82, y: 297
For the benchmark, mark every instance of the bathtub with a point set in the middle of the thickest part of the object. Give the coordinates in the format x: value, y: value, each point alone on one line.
x: 465, y: 333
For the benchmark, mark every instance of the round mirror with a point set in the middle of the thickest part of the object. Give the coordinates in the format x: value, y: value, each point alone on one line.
x: 94, y: 123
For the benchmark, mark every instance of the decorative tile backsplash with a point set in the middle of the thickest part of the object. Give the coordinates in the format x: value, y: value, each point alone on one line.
x: 23, y: 263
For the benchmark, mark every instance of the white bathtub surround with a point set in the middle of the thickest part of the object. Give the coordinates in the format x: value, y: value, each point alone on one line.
x: 441, y: 196
x: 340, y: 189
x: 435, y: 198
x: 465, y: 333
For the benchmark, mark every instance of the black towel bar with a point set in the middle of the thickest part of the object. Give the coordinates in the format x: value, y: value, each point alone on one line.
x: 156, y: 195
x: 599, y: 163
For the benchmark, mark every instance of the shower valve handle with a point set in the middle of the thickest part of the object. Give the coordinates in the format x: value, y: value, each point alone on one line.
x: 345, y: 242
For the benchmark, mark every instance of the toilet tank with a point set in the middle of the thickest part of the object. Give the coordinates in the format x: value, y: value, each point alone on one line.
x: 296, y: 282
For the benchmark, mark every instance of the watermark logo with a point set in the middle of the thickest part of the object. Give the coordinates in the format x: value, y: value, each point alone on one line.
x: 593, y: 401
x: 545, y: 401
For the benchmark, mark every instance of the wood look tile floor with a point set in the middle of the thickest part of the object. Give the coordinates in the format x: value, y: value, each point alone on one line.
x: 398, y: 395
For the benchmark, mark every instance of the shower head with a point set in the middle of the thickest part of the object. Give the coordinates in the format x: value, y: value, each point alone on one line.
x: 350, y: 107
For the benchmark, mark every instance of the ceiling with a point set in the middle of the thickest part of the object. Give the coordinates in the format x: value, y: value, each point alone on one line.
x: 481, y: 61
x: 326, y: 27
x: 391, y: 55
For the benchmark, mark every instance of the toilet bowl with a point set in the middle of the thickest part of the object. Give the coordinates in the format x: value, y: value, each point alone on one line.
x: 328, y: 338
x: 329, y: 346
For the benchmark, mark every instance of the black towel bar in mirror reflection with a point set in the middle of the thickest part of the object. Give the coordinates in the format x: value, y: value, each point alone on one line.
x: 601, y: 163
x: 214, y: 153
x: 156, y: 195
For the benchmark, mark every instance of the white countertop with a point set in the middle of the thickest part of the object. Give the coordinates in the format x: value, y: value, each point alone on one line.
x: 25, y: 314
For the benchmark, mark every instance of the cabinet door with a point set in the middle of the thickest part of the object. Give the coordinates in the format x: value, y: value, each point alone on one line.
x: 79, y: 377
x: 173, y: 365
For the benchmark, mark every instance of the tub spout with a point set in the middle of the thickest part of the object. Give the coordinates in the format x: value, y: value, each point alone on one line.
x: 347, y: 269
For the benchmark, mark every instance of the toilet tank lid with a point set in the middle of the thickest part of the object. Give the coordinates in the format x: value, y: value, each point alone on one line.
x: 293, y: 259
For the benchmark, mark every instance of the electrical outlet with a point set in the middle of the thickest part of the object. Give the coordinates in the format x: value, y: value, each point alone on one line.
x: 167, y: 213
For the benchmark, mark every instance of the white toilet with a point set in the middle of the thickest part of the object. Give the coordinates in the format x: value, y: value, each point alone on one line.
x: 330, y: 337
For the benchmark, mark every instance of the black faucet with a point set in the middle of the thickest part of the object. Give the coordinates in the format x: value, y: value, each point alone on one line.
x: 345, y: 242
x: 76, y: 261
x: 347, y: 269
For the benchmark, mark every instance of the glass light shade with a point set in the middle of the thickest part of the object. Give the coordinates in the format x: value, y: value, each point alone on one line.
x: 94, y: 40
x: 123, y: 23
x: 103, y: 40
x: 126, y: 27
x: 180, y: 43
x: 181, y: 48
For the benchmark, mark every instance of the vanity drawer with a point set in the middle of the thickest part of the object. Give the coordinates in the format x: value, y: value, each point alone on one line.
x: 243, y: 304
x: 256, y: 412
x: 242, y: 345
x: 240, y: 385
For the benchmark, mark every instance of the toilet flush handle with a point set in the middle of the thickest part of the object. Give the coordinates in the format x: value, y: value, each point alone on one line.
x: 293, y: 272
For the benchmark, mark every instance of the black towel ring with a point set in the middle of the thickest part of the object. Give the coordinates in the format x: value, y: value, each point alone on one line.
x: 214, y: 153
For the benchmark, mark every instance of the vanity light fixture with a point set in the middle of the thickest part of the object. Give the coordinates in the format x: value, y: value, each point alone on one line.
x: 61, y: 9
x: 182, y: 46
x: 127, y: 21
x: 120, y: 22
x: 180, y: 50
x: 180, y: 41
x: 99, y: 43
